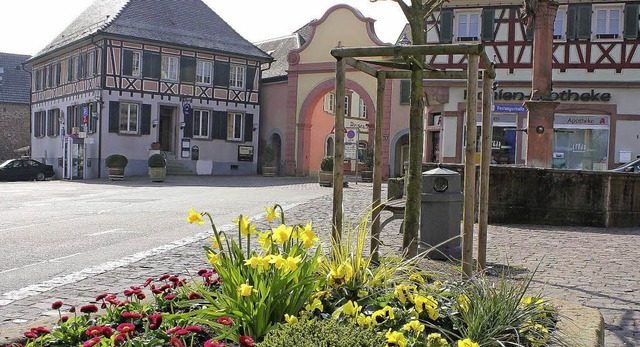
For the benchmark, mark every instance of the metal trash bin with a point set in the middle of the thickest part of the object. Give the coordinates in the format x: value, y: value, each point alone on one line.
x: 441, y: 214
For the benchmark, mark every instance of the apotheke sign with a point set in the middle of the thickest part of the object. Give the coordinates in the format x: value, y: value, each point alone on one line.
x: 565, y: 95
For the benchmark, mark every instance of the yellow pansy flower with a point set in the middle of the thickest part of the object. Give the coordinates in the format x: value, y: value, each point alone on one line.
x: 264, y: 239
x: 194, y: 217
x: 416, y: 277
x: 253, y: 261
x: 292, y: 262
x: 271, y: 213
x: 364, y: 321
x: 436, y: 340
x: 214, y: 258
x: 413, y: 326
x: 245, y: 289
x: 277, y: 260
x: 467, y: 343
x: 315, y: 305
x: 282, y: 234
x: 381, y: 316
x: 423, y: 302
x: 404, y: 293
x: 290, y: 319
x: 351, y: 308
x: 395, y: 338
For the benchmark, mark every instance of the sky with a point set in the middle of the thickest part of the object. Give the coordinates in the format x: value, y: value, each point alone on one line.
x: 27, y: 26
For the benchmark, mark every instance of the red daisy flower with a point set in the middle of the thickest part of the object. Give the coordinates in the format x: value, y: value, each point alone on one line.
x: 72, y: 309
x: 141, y: 296
x: 169, y: 296
x: 147, y: 282
x: 15, y: 344
x: 40, y: 330
x: 194, y: 296
x: 164, y: 277
x: 94, y: 330
x: 202, y: 272
x: 175, y: 342
x: 107, y: 331
x: 128, y: 292
x: 193, y: 328
x: 126, y: 328
x: 154, y: 321
x: 132, y: 315
x: 173, y: 330
x: 101, y: 296
x: 245, y: 341
x: 224, y: 320
x: 213, y: 343
x: 120, y: 339
x: 174, y: 279
x: 89, y: 309
x: 63, y: 319
x: 30, y: 335
x: 90, y: 343
x: 182, y: 332
x: 56, y: 305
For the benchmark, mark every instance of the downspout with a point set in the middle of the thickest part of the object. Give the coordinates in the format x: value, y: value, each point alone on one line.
x: 100, y: 102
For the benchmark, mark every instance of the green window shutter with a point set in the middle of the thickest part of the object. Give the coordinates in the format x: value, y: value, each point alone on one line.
x: 58, y: 72
x: 248, y: 127
x: 488, y: 23
x: 151, y: 65
x: 127, y: 62
x: 219, y: 125
x: 187, y: 69
x: 188, y: 124
x: 221, y: 74
x: 584, y: 22
x: 251, y: 75
x: 405, y: 92
x: 446, y: 26
x: 114, y: 116
x: 69, y: 69
x: 572, y: 22
x: 631, y: 13
x: 145, y: 124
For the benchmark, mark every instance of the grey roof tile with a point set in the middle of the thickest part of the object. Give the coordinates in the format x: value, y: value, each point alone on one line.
x: 279, y: 49
x: 15, y: 85
x: 180, y: 22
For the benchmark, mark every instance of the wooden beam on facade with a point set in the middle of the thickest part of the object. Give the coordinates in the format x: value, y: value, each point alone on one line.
x: 338, y: 151
x: 388, y: 51
x: 377, y: 167
x: 485, y: 161
x: 468, y: 213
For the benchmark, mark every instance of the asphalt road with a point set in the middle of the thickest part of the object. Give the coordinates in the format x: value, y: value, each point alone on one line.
x: 53, y: 229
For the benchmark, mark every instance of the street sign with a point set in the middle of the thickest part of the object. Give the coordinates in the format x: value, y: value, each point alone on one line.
x: 509, y: 109
x: 350, y: 151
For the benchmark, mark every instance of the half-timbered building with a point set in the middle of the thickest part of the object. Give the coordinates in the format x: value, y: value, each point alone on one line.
x: 133, y: 77
x: 596, y: 66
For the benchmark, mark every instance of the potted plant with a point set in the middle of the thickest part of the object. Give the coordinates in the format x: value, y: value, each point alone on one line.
x: 367, y: 163
x: 116, y: 164
x: 325, y: 175
x: 157, y: 168
x: 155, y: 146
x: 269, y: 167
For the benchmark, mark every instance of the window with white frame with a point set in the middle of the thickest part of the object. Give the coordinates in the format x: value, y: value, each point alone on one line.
x: 363, y: 109
x: 91, y: 64
x: 129, y: 118
x: 467, y: 25
x: 169, y: 68
x: 136, y: 64
x: 330, y: 103
x: 39, y: 123
x: 203, y: 72
x: 201, y: 123
x: 236, y: 76
x: 607, y: 22
x: 235, y: 126
x: 53, y: 122
x: 559, y: 29
x: 347, y: 105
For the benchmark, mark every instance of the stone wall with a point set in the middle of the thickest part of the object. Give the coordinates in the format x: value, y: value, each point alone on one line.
x: 14, y: 129
x: 519, y: 195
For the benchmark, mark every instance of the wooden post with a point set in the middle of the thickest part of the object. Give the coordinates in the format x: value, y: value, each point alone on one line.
x: 487, y: 135
x: 377, y: 167
x: 338, y: 152
x: 470, y: 167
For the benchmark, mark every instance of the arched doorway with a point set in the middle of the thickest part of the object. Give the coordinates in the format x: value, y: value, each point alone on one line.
x: 399, y: 153
x: 276, y: 143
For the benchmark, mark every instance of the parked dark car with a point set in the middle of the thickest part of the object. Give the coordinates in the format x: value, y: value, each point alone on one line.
x: 25, y: 170
x: 633, y: 166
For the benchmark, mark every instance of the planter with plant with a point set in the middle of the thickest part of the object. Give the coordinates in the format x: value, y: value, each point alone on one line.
x: 116, y: 164
x: 157, y: 168
x: 367, y: 163
x: 325, y: 175
x: 269, y: 167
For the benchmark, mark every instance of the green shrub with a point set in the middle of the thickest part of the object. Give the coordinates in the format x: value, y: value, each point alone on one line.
x: 116, y: 160
x: 326, y: 164
x: 157, y: 160
x: 316, y: 333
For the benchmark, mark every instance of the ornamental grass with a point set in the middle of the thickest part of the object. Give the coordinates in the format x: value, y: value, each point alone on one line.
x: 279, y: 287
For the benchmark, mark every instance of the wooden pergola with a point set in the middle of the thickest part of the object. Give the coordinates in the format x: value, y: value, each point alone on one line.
x: 378, y: 65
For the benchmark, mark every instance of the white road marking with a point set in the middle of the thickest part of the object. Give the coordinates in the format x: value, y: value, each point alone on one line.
x: 36, y: 289
x: 117, y: 230
x: 65, y: 257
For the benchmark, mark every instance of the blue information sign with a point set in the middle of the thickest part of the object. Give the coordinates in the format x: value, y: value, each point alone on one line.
x: 509, y: 109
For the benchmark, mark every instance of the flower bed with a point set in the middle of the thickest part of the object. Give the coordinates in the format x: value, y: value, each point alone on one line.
x: 279, y: 287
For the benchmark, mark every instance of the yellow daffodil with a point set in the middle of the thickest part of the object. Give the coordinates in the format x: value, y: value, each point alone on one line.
x: 281, y: 234
x: 308, y: 237
x: 245, y: 226
x: 290, y: 319
x: 245, y: 289
x: 265, y: 261
x: 364, y: 321
x: 467, y: 343
x: 215, y: 242
x: 264, y: 239
x: 436, y: 340
x: 214, y: 258
x: 395, y: 338
x: 253, y: 261
x: 315, y: 305
x: 292, y: 262
x: 351, y: 308
x: 277, y: 260
x: 414, y: 326
x: 194, y: 217
x: 271, y: 213
x: 463, y: 302
x: 528, y: 300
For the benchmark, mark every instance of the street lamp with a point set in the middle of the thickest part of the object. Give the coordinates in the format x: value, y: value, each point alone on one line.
x: 404, y: 41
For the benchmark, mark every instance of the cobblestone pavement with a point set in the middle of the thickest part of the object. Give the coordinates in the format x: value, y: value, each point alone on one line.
x: 592, y: 266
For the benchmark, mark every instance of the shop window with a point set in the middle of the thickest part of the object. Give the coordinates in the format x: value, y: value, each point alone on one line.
x: 129, y: 118
x: 607, y: 22
x: 581, y: 142
x: 201, y: 124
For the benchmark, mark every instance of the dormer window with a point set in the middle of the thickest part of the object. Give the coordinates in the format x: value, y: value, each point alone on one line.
x: 467, y: 25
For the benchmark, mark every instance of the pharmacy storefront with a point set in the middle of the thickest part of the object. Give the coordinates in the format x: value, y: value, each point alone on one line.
x: 581, y: 142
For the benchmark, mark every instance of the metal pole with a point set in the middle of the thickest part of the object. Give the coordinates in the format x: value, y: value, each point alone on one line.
x: 487, y: 134
x: 338, y: 155
x: 470, y: 167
